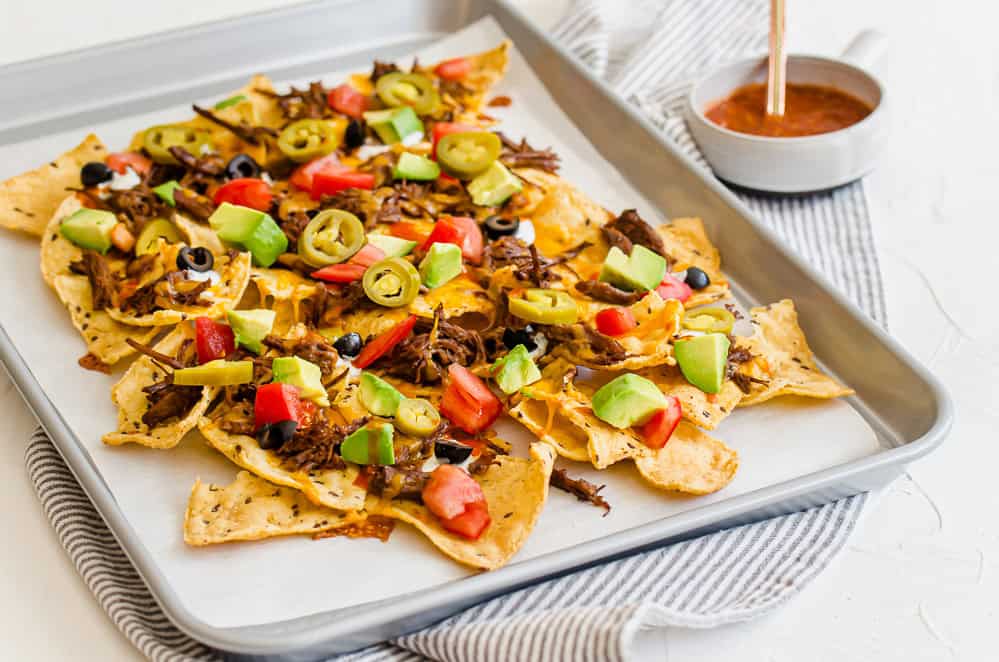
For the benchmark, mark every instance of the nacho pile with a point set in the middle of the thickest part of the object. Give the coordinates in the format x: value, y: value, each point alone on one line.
x: 343, y: 287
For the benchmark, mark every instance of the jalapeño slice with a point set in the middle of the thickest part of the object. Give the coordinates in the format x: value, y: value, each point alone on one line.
x: 392, y: 282
x: 545, y: 307
x: 417, y: 417
x: 709, y: 320
x: 415, y: 90
x: 305, y: 140
x: 158, y: 140
x: 333, y: 236
x: 464, y: 155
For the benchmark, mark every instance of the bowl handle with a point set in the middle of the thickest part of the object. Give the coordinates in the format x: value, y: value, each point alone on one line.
x: 866, y: 48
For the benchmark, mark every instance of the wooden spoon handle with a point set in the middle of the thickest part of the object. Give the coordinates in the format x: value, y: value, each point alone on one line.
x: 777, y: 64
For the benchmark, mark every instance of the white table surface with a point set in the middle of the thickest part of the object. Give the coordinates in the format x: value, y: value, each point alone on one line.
x: 920, y: 580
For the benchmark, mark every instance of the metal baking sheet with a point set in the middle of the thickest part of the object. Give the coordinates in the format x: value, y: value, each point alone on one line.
x: 900, y: 411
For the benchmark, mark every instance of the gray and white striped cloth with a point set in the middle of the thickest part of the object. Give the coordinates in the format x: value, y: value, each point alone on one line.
x: 646, y: 50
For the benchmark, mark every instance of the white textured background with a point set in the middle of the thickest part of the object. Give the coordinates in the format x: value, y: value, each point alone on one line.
x: 920, y: 581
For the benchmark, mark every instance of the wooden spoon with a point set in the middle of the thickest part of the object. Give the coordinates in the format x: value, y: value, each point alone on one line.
x: 777, y: 64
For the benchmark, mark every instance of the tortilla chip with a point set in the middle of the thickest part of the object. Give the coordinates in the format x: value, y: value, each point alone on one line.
x: 461, y: 297
x: 488, y: 69
x: 57, y: 252
x: 29, y: 200
x: 565, y: 217
x: 266, y: 109
x: 540, y: 412
x: 331, y: 488
x: 700, y: 408
x: 782, y: 358
x: 198, y: 234
x: 132, y: 402
x: 250, y: 508
x: 688, y: 244
x: 516, y: 490
x: 691, y: 462
x: 224, y: 295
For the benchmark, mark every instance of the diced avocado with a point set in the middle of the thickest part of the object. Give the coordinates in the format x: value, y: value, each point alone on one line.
x: 165, y: 191
x: 392, y: 246
x: 372, y: 440
x: 395, y: 125
x: 627, y: 400
x: 441, y: 264
x: 641, y: 272
x: 415, y: 167
x: 301, y: 373
x: 252, y: 229
x: 215, y: 373
x: 494, y: 186
x: 89, y: 228
x: 702, y: 360
x: 515, y: 370
x: 378, y: 396
x: 251, y: 326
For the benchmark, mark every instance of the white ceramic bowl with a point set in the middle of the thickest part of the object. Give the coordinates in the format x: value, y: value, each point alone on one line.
x: 795, y: 165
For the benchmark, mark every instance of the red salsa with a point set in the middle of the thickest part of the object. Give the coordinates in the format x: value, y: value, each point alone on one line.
x: 808, y: 110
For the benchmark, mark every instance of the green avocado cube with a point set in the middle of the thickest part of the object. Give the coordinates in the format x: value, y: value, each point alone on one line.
x: 89, y: 228
x: 627, y: 400
x: 415, y: 167
x: 304, y: 374
x: 703, y: 359
x: 252, y: 229
x: 392, y: 246
x: 378, y: 396
x: 251, y: 326
x: 441, y: 264
x: 644, y: 270
x: 165, y: 191
x: 369, y: 445
x: 494, y: 186
x: 515, y: 370
x: 395, y: 124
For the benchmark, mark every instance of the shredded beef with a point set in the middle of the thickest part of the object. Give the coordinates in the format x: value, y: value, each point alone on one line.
x: 582, y: 489
x: 434, y: 345
x: 522, y: 155
x: 209, y: 164
x: 95, y: 267
x: 195, y: 204
x: 373, y: 526
x: 601, y: 291
x: 632, y: 226
x: 171, y: 288
x: 738, y: 355
x: 138, y: 204
x: 243, y: 130
x: 379, y: 69
x: 393, y: 483
x: 308, y: 103
x: 317, y: 446
x: 91, y: 362
x: 615, y: 237
x: 604, y: 349
x: 293, y: 225
x: 167, y: 401
x: 313, y: 348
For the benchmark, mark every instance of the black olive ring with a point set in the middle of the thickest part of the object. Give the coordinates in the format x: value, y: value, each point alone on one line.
x: 196, y: 259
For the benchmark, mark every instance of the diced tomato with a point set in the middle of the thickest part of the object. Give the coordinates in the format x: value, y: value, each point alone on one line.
x: 367, y: 256
x: 212, y: 339
x: 442, y: 129
x: 615, y: 321
x: 330, y: 183
x: 468, y: 402
x: 409, y: 230
x: 276, y: 402
x: 672, y: 288
x: 340, y: 273
x: 455, y: 69
x: 381, y: 344
x: 345, y: 99
x: 119, y: 161
x: 657, y: 430
x: 460, y: 231
x: 122, y: 239
x: 471, y: 523
x: 450, y: 490
x: 246, y: 192
x: 303, y: 175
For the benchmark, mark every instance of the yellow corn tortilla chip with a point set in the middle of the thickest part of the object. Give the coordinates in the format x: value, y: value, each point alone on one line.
x: 691, y: 462
x: 565, y: 217
x: 782, y: 358
x: 132, y: 404
x: 198, y: 235
x: 28, y: 201
x: 687, y: 243
x: 516, y: 490
x: 250, y: 508
x: 700, y: 408
x: 331, y: 488
x: 542, y: 415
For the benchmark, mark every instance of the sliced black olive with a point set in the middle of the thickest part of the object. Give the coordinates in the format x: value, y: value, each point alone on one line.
x: 353, y: 137
x: 348, y: 344
x: 94, y: 173
x: 452, y: 451
x: 525, y: 337
x: 498, y: 226
x: 276, y: 435
x: 241, y: 166
x: 696, y: 278
x: 195, y: 259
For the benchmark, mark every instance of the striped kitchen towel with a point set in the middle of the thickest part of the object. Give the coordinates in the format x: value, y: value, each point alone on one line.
x: 647, y: 51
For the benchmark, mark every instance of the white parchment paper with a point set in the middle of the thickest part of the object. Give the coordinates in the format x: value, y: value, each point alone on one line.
x: 261, y: 582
